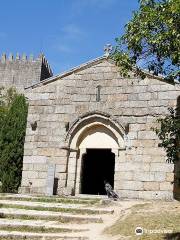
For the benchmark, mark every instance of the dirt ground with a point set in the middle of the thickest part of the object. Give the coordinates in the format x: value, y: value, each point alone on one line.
x: 153, y: 220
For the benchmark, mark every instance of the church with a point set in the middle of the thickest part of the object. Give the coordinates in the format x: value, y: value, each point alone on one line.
x: 89, y: 125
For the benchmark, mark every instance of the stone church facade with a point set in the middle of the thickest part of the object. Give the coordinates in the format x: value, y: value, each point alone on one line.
x: 90, y: 124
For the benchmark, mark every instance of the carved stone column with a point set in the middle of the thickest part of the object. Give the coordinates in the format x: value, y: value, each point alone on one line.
x: 79, y: 168
x: 119, y: 157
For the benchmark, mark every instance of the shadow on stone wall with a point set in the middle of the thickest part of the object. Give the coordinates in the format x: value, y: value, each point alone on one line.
x: 177, y: 164
x: 55, y: 187
x: 172, y: 236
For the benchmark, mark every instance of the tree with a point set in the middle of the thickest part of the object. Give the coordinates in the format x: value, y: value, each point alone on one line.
x: 12, y: 137
x: 6, y: 98
x: 151, y: 40
x: 169, y: 134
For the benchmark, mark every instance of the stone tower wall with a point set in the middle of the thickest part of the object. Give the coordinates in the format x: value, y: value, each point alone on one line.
x: 23, y: 72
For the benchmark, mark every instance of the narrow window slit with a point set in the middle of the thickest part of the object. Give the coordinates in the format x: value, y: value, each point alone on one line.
x: 98, y: 93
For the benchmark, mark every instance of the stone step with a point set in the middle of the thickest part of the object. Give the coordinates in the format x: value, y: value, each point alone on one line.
x: 57, y: 199
x: 42, y: 204
x: 41, y: 225
x: 17, y: 235
x: 57, y: 207
x: 49, y: 215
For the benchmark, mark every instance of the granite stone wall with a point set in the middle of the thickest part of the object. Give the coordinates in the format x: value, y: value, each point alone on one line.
x: 22, y: 72
x: 141, y: 170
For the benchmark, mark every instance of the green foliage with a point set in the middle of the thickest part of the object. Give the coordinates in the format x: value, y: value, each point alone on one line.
x: 12, y: 136
x: 151, y: 39
x: 169, y: 134
x: 6, y: 98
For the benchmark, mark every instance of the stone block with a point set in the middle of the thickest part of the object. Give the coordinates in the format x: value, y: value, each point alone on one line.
x: 49, y: 118
x: 71, y: 168
x: 168, y: 95
x: 137, y: 127
x: 40, y: 167
x: 46, y: 151
x: 25, y: 174
x: 161, y: 167
x: 34, y: 159
x: 65, y: 109
x: 144, y: 96
x: 61, y: 168
x: 132, y: 166
x: 147, y: 135
x: 143, y: 176
x: 156, y: 195
x: 132, y: 135
x: 140, y: 111
x: 71, y: 176
x: 37, y: 190
x: 124, y: 175
x: 29, y: 145
x: 32, y: 174
x: 142, y: 158
x: 143, y: 143
x: 169, y: 177
x: 60, y: 152
x: 27, y: 167
x: 28, y: 152
x: 80, y: 98
x: 38, y: 183
x: 166, y: 186
x: 62, y: 176
x: 25, y: 182
x: 158, y: 159
x: 33, y: 117
x: 58, y: 160
x: 138, y: 104
x: 127, y: 194
x: 24, y: 190
x: 42, y: 175
x: 133, y: 97
x: 66, y: 191
x: 49, y: 109
x: 159, y: 176
x: 62, y: 184
x: 140, y: 89
x: 151, y: 186
x: 154, y: 151
x: 129, y: 185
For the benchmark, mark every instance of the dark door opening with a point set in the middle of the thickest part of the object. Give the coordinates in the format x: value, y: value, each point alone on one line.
x: 97, y: 166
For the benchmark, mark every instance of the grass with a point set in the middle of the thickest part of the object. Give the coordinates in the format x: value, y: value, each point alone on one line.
x: 37, y: 229
x: 52, y: 209
x: 50, y: 199
x: 31, y: 217
x: 59, y: 219
x: 156, y: 216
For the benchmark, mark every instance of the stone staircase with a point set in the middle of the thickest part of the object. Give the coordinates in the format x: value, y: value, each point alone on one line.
x: 30, y: 217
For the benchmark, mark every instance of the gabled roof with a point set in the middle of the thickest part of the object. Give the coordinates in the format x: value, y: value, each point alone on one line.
x: 82, y: 67
x: 69, y: 72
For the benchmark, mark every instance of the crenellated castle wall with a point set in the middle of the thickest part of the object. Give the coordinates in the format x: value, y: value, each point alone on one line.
x: 23, y: 71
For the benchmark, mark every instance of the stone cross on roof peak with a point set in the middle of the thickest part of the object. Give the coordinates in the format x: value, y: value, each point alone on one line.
x: 107, y: 50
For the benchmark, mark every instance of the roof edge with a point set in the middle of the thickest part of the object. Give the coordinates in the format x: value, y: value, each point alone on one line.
x: 84, y: 66
x: 66, y: 73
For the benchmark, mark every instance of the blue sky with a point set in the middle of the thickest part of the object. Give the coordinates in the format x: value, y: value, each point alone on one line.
x: 68, y: 32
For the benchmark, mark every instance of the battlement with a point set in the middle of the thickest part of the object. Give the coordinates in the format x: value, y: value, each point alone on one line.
x: 22, y: 70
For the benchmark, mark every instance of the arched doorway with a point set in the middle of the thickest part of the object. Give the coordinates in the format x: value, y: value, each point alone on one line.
x: 94, y: 143
x: 97, y: 166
